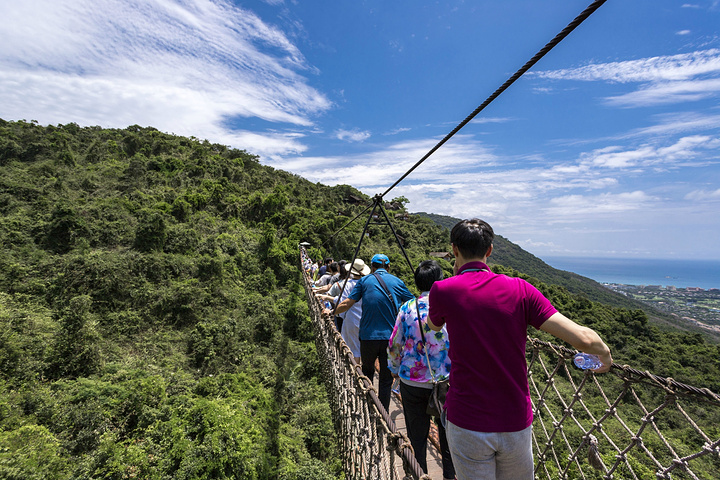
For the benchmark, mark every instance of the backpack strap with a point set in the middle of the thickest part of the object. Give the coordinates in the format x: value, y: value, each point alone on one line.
x: 384, y: 286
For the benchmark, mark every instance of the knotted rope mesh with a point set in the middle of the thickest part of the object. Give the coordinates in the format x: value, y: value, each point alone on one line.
x: 623, y: 424
x: 611, y: 426
x: 371, y: 445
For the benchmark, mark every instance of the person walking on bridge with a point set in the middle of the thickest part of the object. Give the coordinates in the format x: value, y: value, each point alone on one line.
x: 488, y: 409
x: 381, y: 294
x: 419, y: 357
x: 350, y: 325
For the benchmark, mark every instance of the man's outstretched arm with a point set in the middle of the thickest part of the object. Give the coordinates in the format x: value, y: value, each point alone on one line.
x: 343, y: 307
x: 582, y: 338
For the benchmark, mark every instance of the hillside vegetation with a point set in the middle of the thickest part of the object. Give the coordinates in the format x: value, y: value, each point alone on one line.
x: 152, y: 318
x: 511, y: 255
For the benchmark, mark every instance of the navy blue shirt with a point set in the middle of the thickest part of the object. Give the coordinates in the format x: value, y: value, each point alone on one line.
x: 378, y: 311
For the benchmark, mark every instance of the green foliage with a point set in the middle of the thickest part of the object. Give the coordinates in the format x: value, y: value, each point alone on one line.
x: 76, y: 350
x: 151, y: 231
x: 31, y: 453
x: 152, y: 318
x: 148, y: 283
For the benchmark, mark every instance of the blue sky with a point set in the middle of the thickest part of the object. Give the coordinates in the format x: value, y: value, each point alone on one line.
x: 610, y: 145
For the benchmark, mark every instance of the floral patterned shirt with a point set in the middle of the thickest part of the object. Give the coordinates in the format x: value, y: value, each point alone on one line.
x: 406, y: 356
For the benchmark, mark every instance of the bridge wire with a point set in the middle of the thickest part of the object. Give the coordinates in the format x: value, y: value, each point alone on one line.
x: 549, y: 46
x: 529, y: 64
x: 346, y: 225
x: 357, y: 250
x: 397, y: 238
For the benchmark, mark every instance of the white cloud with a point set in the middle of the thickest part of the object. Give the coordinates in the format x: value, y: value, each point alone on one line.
x: 703, y: 195
x: 354, y: 135
x: 683, y: 32
x: 672, y: 67
x: 667, y: 92
x: 481, y: 120
x: 185, y: 67
x: 580, y: 206
x: 677, y: 123
x: 664, y: 79
x: 397, y: 131
x: 685, y: 148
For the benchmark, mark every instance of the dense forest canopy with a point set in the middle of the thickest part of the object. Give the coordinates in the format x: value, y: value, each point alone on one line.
x: 152, y: 318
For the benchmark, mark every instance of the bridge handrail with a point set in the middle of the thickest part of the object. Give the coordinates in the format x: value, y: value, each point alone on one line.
x: 613, y: 429
x: 369, y: 438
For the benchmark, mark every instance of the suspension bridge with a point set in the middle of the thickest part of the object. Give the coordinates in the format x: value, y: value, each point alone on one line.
x: 611, y: 426
x: 586, y: 426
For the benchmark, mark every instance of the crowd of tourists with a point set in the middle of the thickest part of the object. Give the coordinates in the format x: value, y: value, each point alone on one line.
x: 485, y: 424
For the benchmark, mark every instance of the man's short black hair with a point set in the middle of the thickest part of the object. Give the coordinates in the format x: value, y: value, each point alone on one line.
x: 334, y: 267
x: 472, y: 238
x: 376, y: 266
x: 328, y: 260
x: 427, y: 273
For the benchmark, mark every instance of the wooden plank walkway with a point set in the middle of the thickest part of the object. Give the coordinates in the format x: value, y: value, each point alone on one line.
x: 434, y: 459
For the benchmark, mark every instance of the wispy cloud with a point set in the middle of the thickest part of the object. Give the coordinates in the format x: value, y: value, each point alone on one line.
x: 184, y: 67
x: 664, y: 79
x: 673, y: 67
x: 569, y: 207
x: 481, y: 120
x: 397, y: 131
x: 684, y: 149
x: 666, y: 93
x: 354, y: 135
x: 703, y: 195
x: 676, y: 123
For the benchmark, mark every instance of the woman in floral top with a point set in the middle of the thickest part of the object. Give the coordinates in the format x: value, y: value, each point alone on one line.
x: 407, y: 360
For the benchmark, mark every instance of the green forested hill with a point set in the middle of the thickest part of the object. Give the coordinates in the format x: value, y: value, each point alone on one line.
x: 152, y: 319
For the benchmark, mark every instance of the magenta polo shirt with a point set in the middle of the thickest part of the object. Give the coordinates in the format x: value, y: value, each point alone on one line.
x: 487, y: 317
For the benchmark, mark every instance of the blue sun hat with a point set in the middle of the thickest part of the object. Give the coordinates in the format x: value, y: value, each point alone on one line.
x: 380, y: 259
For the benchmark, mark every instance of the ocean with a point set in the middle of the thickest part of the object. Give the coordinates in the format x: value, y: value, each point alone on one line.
x: 635, y: 271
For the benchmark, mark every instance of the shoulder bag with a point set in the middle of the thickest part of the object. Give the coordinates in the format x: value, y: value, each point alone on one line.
x: 436, y: 402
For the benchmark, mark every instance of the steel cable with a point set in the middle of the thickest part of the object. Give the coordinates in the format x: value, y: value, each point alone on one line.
x: 549, y: 46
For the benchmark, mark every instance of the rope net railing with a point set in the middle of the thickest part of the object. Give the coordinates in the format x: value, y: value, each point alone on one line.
x: 611, y: 426
x: 370, y: 443
x: 626, y: 424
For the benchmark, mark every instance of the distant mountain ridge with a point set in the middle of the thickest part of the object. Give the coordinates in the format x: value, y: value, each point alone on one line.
x: 511, y: 255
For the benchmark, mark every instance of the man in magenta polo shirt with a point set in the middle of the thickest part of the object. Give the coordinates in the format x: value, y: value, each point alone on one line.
x: 488, y: 408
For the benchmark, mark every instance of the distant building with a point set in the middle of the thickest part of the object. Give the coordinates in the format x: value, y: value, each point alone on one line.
x: 694, y: 289
x: 444, y: 255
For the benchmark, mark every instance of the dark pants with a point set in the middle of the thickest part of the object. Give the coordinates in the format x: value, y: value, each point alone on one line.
x: 338, y: 323
x: 417, y: 422
x: 370, y: 350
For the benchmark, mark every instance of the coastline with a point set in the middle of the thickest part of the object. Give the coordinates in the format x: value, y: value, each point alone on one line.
x: 674, y: 273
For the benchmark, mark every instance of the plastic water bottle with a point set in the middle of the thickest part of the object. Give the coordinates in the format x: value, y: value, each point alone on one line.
x: 587, y: 361
x: 328, y: 305
x: 396, y: 386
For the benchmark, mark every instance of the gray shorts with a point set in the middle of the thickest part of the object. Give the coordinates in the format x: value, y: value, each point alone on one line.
x: 494, y: 455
